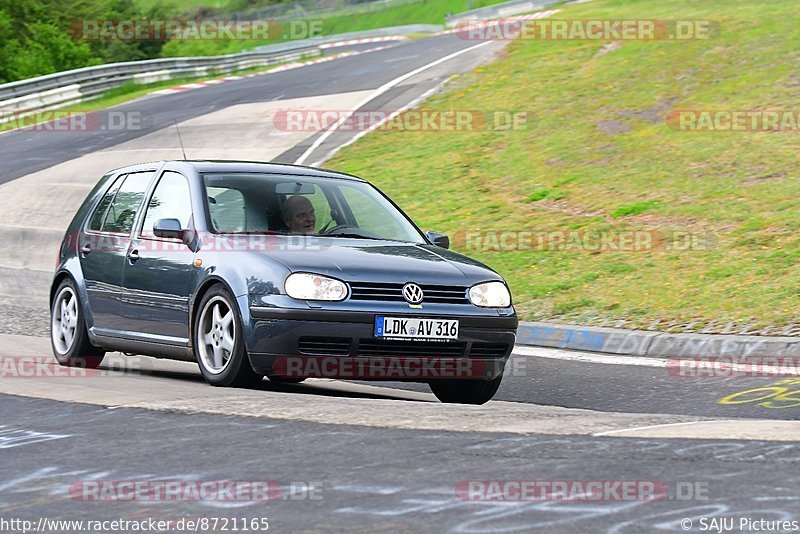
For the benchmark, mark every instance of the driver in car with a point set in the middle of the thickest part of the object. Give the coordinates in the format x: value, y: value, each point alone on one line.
x: 298, y: 214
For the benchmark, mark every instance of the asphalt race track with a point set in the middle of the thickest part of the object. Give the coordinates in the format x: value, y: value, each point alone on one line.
x: 347, y: 457
x: 376, y: 479
x: 34, y: 151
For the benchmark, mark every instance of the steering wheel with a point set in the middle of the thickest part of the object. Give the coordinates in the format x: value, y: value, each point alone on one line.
x: 351, y: 229
x: 337, y: 228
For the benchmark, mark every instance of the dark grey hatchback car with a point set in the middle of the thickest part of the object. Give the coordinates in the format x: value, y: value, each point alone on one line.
x: 259, y: 269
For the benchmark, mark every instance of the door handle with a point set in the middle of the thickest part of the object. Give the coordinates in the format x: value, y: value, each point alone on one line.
x: 86, y: 249
x: 133, y: 255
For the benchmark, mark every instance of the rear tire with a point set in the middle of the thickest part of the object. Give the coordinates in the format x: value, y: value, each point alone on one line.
x: 219, y: 342
x: 465, y: 391
x: 69, y: 337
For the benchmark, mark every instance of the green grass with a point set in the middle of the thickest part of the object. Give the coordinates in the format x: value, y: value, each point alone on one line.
x: 422, y: 12
x: 571, y: 171
x: 634, y: 208
x: 145, y: 5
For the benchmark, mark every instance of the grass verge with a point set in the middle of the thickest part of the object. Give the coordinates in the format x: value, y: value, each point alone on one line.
x: 422, y: 12
x: 597, y: 157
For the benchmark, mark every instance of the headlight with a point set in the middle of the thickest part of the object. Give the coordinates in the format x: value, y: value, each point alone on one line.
x: 490, y: 295
x: 306, y: 286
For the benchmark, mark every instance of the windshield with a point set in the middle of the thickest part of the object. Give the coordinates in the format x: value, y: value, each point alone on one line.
x: 258, y: 203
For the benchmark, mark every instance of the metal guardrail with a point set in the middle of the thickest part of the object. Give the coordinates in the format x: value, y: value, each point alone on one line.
x: 408, y: 29
x: 73, y: 86
x: 308, y: 9
x: 67, y: 87
x: 504, y: 9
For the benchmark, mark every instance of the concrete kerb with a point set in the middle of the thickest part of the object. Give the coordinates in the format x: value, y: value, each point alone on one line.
x: 29, y: 248
x: 653, y: 344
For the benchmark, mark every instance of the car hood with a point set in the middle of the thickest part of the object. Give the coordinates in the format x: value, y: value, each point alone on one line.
x: 388, y: 262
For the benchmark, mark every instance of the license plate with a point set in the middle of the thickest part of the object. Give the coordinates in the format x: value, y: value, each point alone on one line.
x: 416, y: 328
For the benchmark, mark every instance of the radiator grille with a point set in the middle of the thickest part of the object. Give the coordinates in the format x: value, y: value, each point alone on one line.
x: 394, y: 293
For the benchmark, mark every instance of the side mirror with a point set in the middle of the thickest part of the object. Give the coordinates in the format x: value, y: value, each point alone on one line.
x: 440, y: 240
x: 171, y: 229
x: 168, y: 229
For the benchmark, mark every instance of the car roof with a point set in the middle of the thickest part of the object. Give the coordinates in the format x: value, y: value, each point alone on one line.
x: 204, y: 166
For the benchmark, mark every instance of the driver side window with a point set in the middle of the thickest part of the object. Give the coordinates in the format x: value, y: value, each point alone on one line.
x: 322, y: 208
x: 170, y: 200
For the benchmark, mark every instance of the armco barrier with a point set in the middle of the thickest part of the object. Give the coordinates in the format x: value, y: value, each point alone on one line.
x: 496, y: 11
x: 70, y: 87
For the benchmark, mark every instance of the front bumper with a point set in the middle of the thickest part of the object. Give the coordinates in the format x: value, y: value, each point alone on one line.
x: 340, y: 344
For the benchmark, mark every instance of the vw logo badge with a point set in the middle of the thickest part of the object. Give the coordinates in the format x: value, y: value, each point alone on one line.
x: 412, y: 293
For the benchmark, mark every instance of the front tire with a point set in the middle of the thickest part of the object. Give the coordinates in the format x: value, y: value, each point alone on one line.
x: 69, y: 337
x: 219, y: 342
x: 465, y: 391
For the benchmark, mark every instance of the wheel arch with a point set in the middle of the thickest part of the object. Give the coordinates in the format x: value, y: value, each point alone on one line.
x: 201, y: 291
x: 57, y: 281
x: 71, y: 271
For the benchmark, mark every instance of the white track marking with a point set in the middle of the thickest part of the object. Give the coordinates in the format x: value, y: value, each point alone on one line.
x: 533, y: 16
x: 361, y: 41
x: 649, y: 427
x: 588, y: 357
x: 379, y: 91
x: 394, y: 114
x: 281, y: 68
x: 402, y: 58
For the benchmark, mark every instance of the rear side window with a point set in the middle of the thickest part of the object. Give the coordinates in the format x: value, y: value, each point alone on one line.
x: 117, y: 213
x: 99, y: 215
x: 170, y: 200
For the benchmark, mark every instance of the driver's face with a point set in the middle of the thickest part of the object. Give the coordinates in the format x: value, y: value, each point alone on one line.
x: 301, y: 218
